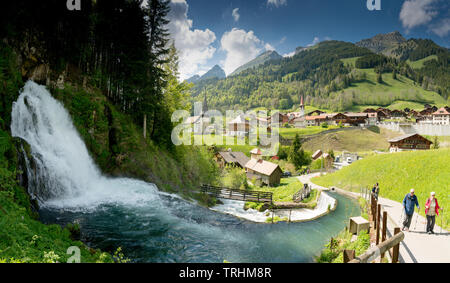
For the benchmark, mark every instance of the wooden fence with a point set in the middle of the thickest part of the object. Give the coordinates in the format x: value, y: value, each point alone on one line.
x: 391, y: 245
x: 240, y: 195
x: 304, y: 193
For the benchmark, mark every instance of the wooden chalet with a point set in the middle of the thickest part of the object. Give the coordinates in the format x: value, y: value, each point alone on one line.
x: 230, y: 158
x: 316, y: 155
x: 239, y: 126
x: 398, y: 114
x: 370, y: 110
x: 315, y: 113
x: 356, y: 119
x: 409, y: 143
x: 267, y: 173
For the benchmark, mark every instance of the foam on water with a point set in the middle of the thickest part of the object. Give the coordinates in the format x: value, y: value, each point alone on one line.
x: 65, y: 176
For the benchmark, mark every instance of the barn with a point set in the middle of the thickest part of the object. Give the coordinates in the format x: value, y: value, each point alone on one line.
x: 409, y: 142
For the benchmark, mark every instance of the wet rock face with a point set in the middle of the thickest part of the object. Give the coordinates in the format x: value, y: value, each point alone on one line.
x: 25, y: 162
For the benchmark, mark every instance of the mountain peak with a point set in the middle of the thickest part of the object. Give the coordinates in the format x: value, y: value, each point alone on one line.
x: 214, y: 72
x: 381, y: 43
x: 261, y: 59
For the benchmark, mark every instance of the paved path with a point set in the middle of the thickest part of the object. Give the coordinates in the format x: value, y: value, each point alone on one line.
x: 418, y: 247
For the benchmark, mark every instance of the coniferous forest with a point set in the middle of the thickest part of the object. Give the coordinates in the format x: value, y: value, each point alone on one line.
x: 119, y: 46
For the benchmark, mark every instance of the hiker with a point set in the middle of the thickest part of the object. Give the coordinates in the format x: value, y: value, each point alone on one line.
x: 432, y: 210
x: 376, y: 191
x: 409, y: 202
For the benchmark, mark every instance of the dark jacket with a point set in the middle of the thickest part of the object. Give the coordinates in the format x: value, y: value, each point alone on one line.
x: 409, y: 202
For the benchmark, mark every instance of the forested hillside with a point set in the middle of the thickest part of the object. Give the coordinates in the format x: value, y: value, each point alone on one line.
x: 324, y: 76
x: 113, y: 79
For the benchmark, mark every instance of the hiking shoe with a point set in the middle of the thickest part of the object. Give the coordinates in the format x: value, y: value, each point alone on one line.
x: 431, y: 232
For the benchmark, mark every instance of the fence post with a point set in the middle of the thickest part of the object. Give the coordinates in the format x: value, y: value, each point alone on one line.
x: 349, y: 255
x: 378, y: 223
x: 383, y: 238
x: 396, y: 249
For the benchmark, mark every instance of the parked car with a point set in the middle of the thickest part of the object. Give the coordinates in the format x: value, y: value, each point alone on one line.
x: 287, y: 174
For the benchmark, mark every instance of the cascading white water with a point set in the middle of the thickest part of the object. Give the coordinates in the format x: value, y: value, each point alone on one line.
x: 64, y: 174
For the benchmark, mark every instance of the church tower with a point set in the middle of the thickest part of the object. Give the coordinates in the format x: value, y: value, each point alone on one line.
x: 302, y: 107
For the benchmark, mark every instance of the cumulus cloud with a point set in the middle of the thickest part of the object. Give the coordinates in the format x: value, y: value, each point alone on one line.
x: 314, y: 42
x: 417, y: 12
x: 289, y: 54
x: 442, y: 29
x: 241, y: 47
x: 194, y: 45
x: 269, y: 47
x: 236, y: 15
x: 277, y: 3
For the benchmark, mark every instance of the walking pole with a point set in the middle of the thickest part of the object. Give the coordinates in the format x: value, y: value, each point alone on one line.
x: 401, y: 216
x: 417, y: 218
x: 442, y: 220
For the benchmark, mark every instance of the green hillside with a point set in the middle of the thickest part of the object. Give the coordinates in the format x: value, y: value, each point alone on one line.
x: 338, y: 76
x: 419, y: 64
x: 425, y: 171
x: 355, y: 140
x: 398, y: 93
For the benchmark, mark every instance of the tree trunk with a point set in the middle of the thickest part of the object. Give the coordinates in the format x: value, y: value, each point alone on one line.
x: 145, y: 126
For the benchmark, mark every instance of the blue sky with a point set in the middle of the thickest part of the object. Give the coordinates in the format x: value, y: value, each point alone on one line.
x: 232, y: 32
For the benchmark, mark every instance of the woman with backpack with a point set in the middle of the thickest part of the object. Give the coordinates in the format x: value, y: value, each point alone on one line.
x: 431, y: 210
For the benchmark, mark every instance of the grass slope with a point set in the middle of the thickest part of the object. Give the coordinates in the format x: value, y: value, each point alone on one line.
x: 425, y: 171
x: 355, y: 140
x: 370, y: 93
x: 420, y: 63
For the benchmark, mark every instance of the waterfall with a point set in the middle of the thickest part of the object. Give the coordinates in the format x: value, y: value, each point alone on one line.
x: 63, y: 173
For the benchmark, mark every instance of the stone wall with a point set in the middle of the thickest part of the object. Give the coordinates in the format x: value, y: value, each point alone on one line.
x: 421, y: 129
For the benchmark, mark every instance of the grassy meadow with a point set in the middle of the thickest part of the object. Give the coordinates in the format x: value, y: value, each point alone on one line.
x: 285, y: 191
x: 357, y: 140
x: 392, y: 93
x: 425, y: 171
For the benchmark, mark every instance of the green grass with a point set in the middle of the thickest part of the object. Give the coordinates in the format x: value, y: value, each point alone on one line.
x: 333, y: 253
x: 370, y: 93
x: 22, y: 237
x: 289, y: 133
x: 420, y: 63
x: 285, y: 191
x: 350, y: 61
x: 425, y: 171
x: 356, y: 140
x: 27, y: 240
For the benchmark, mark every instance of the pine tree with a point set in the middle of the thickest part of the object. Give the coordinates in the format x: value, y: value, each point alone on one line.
x: 297, y: 155
x: 156, y: 11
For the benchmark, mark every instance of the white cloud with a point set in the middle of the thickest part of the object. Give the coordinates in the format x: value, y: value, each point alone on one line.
x: 194, y: 45
x: 416, y: 13
x: 241, y: 47
x: 314, y: 42
x: 277, y: 3
x: 269, y: 47
x: 442, y: 29
x: 236, y: 15
x: 289, y: 54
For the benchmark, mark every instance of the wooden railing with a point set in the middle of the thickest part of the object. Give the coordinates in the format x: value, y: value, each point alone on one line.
x: 379, y: 224
x: 304, y: 193
x: 240, y: 195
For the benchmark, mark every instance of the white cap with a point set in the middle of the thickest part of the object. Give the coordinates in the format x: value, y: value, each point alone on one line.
x: 433, y: 193
x: 413, y: 191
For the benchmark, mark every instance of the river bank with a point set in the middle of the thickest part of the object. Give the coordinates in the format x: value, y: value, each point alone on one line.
x: 325, y: 205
